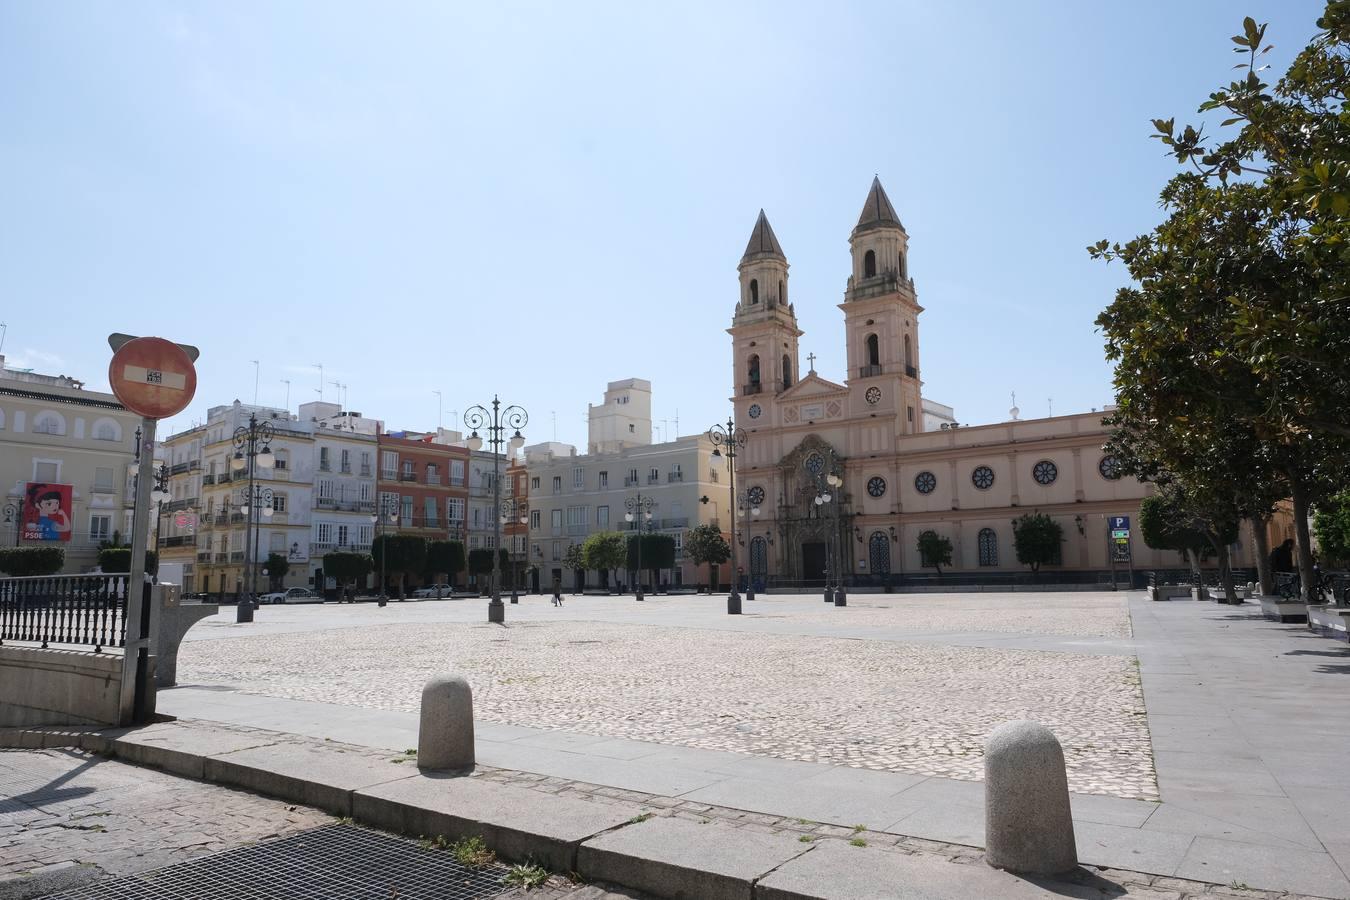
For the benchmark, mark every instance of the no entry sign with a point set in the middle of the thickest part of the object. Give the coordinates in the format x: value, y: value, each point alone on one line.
x: 152, y: 377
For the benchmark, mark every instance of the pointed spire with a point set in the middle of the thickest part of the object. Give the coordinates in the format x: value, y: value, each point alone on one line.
x: 763, y: 242
x: 877, y: 211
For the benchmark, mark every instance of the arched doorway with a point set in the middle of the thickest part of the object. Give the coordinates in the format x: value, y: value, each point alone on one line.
x: 879, y: 554
x: 759, y: 561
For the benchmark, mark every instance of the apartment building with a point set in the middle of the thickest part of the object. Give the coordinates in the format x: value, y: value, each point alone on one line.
x: 74, y: 447
x: 573, y: 495
x: 424, y: 476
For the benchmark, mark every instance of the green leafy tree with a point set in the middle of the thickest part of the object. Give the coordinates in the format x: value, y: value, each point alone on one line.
x: 604, y: 551
x: 480, y: 561
x: 278, y: 567
x: 347, y: 568
x: 658, y: 552
x: 1240, y: 316
x: 445, y: 560
x: 25, y: 561
x: 1162, y: 525
x: 935, y: 551
x: 574, y: 558
x: 399, y: 555
x: 1036, y: 540
x: 705, y: 544
x: 118, y: 559
x: 1331, y: 526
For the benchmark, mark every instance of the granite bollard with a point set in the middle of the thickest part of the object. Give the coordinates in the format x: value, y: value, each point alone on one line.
x: 1028, y: 823
x: 445, y: 731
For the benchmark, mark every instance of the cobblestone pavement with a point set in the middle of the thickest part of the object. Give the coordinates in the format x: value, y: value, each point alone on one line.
x: 887, y: 705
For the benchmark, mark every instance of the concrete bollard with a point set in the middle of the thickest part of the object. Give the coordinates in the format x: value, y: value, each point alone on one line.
x: 1027, y: 822
x: 445, y: 732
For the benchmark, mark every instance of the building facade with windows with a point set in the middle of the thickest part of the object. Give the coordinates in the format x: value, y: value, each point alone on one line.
x: 572, y: 495
x: 346, y: 454
x: 425, y: 476
x: 81, y: 445
x: 898, y: 478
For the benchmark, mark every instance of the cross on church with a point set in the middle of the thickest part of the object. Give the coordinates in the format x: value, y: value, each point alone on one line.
x: 811, y: 359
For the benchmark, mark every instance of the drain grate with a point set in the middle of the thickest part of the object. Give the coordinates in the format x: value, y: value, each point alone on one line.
x: 334, y: 861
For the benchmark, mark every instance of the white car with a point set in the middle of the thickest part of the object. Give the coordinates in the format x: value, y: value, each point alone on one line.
x: 294, y: 595
x: 431, y: 590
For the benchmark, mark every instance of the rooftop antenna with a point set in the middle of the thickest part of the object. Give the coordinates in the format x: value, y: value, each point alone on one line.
x: 665, y: 430
x: 554, y: 413
x: 439, y: 408
x: 677, y: 423
x: 1050, y: 406
x: 256, y: 369
x: 319, y: 366
x: 4, y: 330
x: 287, y: 382
x: 338, y: 385
x: 454, y: 417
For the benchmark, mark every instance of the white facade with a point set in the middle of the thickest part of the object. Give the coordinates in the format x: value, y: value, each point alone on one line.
x: 624, y: 419
x: 344, y: 461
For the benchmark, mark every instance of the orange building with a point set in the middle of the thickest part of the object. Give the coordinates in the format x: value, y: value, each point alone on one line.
x: 423, y: 481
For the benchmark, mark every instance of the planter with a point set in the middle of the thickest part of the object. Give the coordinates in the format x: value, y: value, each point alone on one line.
x: 1329, y: 621
x: 1277, y: 609
x: 1171, y: 592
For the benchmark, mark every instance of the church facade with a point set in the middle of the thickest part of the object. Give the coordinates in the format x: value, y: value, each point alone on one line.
x: 842, y: 477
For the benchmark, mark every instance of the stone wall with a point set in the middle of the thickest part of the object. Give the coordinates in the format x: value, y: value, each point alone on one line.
x: 58, y: 687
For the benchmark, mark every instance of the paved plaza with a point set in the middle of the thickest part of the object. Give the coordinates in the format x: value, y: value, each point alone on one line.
x: 877, y: 704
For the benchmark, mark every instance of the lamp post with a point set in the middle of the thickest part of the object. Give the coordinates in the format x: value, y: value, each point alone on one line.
x: 496, y: 422
x: 387, y: 510
x: 158, y: 496
x: 828, y: 488
x: 258, y: 501
x: 519, y: 511
x: 252, y: 450
x: 747, y: 507
x: 639, y: 514
x: 12, y: 518
x: 733, y: 439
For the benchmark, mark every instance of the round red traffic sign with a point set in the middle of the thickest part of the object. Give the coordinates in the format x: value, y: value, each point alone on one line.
x: 152, y: 377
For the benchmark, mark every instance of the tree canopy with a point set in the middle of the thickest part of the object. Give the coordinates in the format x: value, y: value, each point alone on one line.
x: 347, y: 568
x: 935, y: 551
x: 604, y: 551
x: 1036, y: 540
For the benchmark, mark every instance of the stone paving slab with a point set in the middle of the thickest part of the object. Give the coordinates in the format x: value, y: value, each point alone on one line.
x: 180, y: 749
x: 519, y: 824
x: 675, y: 858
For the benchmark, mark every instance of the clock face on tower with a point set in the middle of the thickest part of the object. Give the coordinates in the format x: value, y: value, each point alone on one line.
x: 873, y: 395
x: 755, y: 410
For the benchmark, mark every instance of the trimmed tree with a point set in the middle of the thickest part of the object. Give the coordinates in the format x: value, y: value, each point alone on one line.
x: 405, y: 553
x: 604, y: 551
x: 445, y: 559
x: 278, y: 567
x: 935, y: 551
x: 658, y: 552
x: 347, y: 568
x: 1036, y: 540
x: 705, y: 544
x: 118, y: 559
x: 480, y: 561
x: 574, y: 558
x: 25, y: 561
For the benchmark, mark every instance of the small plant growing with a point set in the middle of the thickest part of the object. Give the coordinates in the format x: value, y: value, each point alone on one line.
x: 806, y: 839
x: 858, y: 842
x: 640, y: 818
x: 857, y: 829
x: 472, y: 852
x: 528, y: 875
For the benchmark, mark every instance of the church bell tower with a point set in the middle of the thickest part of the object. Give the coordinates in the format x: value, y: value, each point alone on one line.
x: 881, y: 317
x: 764, y: 329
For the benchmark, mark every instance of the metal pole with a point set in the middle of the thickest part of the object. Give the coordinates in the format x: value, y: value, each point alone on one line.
x: 734, y: 598
x: 637, y: 520
x: 496, y: 611
x: 133, y: 701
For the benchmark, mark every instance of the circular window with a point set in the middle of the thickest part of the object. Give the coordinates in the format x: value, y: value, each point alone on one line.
x: 756, y: 495
x: 1045, y: 472
x: 755, y: 410
x: 873, y: 395
x: 815, y: 464
x: 1109, y: 467
x: 925, y: 482
x: 876, y: 486
x: 982, y: 477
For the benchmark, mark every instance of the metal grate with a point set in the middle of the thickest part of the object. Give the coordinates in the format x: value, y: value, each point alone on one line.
x: 325, y: 863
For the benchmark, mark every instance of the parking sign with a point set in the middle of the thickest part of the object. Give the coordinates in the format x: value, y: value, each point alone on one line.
x: 1120, y: 523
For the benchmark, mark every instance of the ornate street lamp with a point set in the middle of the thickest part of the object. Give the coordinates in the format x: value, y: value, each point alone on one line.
x: 12, y: 518
x: 829, y: 495
x: 510, y: 510
x: 639, y: 514
x: 496, y: 423
x: 387, y: 512
x: 733, y: 440
x: 260, y: 502
x: 252, y: 451
x: 159, y: 496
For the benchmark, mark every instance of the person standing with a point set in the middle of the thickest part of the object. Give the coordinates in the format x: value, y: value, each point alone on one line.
x: 557, y: 591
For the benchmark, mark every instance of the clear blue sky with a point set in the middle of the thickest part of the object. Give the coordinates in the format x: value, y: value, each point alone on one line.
x: 537, y: 199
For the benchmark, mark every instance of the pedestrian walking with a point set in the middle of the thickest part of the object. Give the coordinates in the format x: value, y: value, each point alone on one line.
x: 557, y: 591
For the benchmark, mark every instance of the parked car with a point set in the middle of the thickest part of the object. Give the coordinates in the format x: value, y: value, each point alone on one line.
x: 431, y: 591
x: 294, y: 595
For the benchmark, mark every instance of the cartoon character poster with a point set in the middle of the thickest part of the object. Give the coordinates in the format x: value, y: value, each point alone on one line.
x: 47, y: 512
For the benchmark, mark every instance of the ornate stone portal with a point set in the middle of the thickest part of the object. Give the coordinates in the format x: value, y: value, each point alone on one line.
x: 805, y: 528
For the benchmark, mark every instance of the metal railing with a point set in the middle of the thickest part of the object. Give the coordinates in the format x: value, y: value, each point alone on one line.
x: 673, y: 477
x: 407, y: 476
x: 753, y: 387
x: 868, y: 371
x: 204, y: 556
x: 911, y: 372
x: 85, y: 610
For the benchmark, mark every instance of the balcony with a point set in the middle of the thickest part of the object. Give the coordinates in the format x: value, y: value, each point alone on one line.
x: 911, y: 372
x: 407, y: 476
x: 222, y: 518
x: 631, y: 482
x: 678, y: 522
x: 433, y: 479
x: 319, y: 548
x: 180, y: 540
x: 753, y: 387
x: 365, y: 471
x: 185, y: 503
x: 869, y: 371
x: 388, y: 475
x: 333, y: 504
x: 345, y: 470
x: 237, y: 556
x: 325, y: 467
x: 204, y: 556
x: 209, y: 478
x: 653, y: 479
x: 178, y: 468
x: 576, y: 529
x: 673, y: 477
x: 222, y: 557
x: 194, y: 465
x: 103, y: 489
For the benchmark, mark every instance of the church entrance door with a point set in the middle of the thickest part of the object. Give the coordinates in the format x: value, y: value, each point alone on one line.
x: 813, y: 561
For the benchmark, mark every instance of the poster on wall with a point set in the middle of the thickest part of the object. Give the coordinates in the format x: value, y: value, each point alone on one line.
x: 47, y: 512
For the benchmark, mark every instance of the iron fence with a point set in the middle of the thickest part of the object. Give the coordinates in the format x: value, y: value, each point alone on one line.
x: 84, y: 610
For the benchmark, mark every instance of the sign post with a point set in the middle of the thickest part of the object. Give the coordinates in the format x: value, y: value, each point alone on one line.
x: 156, y: 379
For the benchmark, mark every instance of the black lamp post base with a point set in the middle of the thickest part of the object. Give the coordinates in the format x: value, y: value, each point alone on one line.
x: 840, y: 597
x: 243, y: 612
x: 750, y: 595
x: 829, y: 594
x: 733, y: 604
x: 496, y: 612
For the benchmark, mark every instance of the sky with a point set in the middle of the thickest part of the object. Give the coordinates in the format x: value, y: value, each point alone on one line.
x: 533, y: 200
